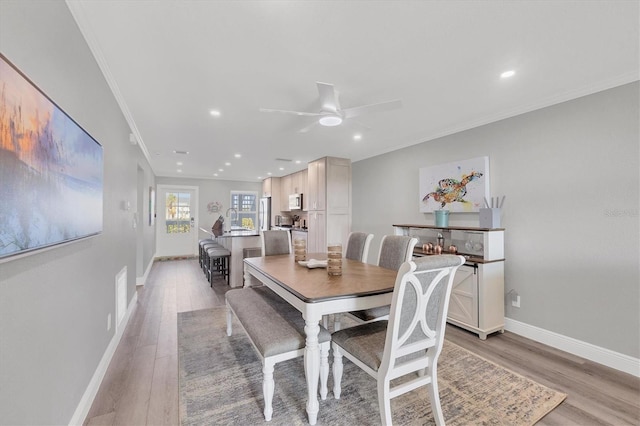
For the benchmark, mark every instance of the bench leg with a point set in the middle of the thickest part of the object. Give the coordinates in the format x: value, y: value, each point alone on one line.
x: 337, y: 371
x: 268, y: 386
x: 324, y: 369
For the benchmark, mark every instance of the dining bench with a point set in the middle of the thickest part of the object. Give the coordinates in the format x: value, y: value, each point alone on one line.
x: 276, y: 330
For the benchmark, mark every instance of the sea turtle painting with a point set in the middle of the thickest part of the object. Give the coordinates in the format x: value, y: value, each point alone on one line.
x: 450, y: 190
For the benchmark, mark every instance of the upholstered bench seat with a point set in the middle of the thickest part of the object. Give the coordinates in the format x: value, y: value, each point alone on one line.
x: 276, y: 330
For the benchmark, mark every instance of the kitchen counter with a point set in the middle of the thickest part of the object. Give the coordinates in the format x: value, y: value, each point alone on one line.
x: 236, y: 241
x: 246, y: 233
x: 289, y: 228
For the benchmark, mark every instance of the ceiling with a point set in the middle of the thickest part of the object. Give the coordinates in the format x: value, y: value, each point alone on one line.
x: 169, y: 63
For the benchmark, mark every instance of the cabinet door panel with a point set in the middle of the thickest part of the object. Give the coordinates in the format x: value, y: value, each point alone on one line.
x: 463, y: 305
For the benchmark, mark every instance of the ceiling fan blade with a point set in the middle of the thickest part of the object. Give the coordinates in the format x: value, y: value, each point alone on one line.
x: 366, y: 109
x: 328, y: 97
x: 312, y: 114
x: 306, y: 129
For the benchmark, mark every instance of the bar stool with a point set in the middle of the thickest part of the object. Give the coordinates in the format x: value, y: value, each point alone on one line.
x: 205, y: 257
x: 201, y: 243
x: 219, y: 259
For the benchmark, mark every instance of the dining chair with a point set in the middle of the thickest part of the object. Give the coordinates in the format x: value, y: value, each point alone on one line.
x: 275, y: 242
x: 394, y: 251
x: 276, y: 330
x: 358, y: 246
x: 410, y: 341
x: 357, y: 249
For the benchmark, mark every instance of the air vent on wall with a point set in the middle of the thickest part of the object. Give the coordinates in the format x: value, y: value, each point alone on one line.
x: 180, y: 152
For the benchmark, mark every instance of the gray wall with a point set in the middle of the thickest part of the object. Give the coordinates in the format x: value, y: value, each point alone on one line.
x: 54, y: 304
x: 570, y: 174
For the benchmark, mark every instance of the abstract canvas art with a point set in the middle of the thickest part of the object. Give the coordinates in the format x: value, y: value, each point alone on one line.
x: 460, y: 186
x: 51, y: 170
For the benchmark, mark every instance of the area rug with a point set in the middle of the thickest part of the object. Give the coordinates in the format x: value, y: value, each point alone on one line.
x: 221, y: 384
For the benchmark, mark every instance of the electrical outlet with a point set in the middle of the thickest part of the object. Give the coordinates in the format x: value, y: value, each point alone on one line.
x: 515, y: 302
x: 109, y: 322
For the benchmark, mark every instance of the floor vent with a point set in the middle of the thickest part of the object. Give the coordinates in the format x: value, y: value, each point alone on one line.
x: 121, y: 296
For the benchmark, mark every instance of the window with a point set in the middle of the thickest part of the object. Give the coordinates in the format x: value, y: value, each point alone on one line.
x: 178, y: 212
x: 245, y: 204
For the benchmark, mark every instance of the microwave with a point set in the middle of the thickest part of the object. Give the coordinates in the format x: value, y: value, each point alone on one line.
x: 295, y: 202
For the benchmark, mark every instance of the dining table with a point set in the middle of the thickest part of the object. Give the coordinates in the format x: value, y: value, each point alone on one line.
x: 315, y: 293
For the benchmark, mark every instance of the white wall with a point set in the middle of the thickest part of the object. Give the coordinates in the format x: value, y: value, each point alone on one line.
x: 570, y: 174
x: 54, y: 304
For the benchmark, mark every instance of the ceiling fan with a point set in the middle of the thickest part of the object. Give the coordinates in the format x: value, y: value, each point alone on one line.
x: 331, y: 114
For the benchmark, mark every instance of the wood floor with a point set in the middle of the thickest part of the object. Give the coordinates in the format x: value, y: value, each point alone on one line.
x: 141, y: 384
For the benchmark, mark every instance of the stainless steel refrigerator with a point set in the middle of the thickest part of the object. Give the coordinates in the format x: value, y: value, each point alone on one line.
x: 264, y: 214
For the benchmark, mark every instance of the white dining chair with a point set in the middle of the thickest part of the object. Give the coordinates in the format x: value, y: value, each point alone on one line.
x: 410, y: 341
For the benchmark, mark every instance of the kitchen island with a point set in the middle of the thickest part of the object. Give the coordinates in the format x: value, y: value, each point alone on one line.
x: 236, y: 241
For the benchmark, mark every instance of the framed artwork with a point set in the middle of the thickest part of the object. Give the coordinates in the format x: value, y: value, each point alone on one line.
x: 152, y: 206
x: 460, y: 186
x: 51, y: 170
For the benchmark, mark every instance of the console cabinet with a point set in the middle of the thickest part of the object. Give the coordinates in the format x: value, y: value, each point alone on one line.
x: 477, y: 296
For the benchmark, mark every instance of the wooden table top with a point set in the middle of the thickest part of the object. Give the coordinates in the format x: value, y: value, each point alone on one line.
x: 315, y: 285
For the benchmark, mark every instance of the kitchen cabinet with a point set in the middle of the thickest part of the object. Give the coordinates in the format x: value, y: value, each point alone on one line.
x: 477, y: 295
x: 329, y: 202
x: 303, y: 188
x: 316, y: 184
x: 271, y: 188
x: 317, y: 232
x: 285, y: 190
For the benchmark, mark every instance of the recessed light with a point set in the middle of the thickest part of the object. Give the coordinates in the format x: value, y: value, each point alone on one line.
x: 179, y: 163
x: 508, y: 74
x: 357, y: 137
x: 281, y: 168
x: 215, y: 174
x: 227, y: 164
x: 221, y: 170
x: 179, y: 170
x: 259, y: 177
x: 237, y: 155
x: 215, y: 113
x: 298, y: 161
x: 269, y: 173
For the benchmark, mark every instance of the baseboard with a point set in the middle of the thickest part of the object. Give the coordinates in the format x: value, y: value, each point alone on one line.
x: 92, y: 389
x: 582, y: 349
x: 143, y: 279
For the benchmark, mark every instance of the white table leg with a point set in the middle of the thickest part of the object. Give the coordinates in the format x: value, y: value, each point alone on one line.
x: 312, y: 367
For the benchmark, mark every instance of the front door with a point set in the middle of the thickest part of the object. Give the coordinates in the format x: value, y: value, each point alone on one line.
x: 177, y: 221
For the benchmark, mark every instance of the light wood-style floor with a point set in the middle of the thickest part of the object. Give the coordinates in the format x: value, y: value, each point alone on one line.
x: 141, y: 384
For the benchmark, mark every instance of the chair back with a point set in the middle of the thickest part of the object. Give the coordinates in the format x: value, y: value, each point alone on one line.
x: 415, y: 332
x: 275, y: 242
x: 358, y: 246
x: 395, y: 250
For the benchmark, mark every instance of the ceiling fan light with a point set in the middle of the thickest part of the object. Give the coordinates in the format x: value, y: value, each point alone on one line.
x: 330, y: 120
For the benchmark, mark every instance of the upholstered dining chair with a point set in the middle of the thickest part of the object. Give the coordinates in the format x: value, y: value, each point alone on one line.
x: 358, y: 246
x: 411, y: 340
x: 275, y: 242
x: 394, y: 251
